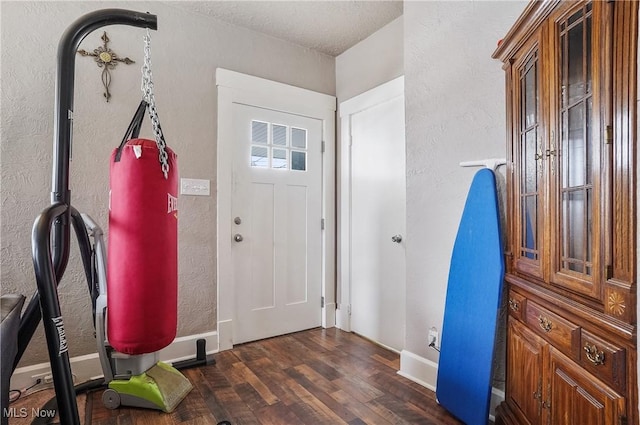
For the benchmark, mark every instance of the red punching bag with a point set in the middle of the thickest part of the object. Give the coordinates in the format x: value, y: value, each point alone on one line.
x: 142, y: 260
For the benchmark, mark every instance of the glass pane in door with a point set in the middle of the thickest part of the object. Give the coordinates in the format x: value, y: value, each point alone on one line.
x: 573, y: 225
x: 575, y: 145
x: 529, y: 234
x: 530, y: 157
x: 574, y: 148
x: 574, y: 58
x: 530, y: 150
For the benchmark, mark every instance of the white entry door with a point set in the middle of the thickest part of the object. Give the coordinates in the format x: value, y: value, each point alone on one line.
x: 276, y: 225
x: 378, y: 213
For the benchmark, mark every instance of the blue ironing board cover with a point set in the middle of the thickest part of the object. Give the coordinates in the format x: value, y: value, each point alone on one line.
x: 472, y: 306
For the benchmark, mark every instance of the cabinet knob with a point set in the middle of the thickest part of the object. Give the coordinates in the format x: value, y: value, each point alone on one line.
x: 545, y: 324
x: 513, y: 304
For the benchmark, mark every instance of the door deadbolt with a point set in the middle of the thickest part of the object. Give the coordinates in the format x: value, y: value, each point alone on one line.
x: 237, y: 220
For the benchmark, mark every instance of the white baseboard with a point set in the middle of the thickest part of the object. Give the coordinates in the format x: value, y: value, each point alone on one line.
x: 87, y: 367
x: 184, y: 347
x: 418, y: 369
x: 425, y: 372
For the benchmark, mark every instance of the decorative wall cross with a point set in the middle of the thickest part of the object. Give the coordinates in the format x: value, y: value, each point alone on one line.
x: 106, y: 59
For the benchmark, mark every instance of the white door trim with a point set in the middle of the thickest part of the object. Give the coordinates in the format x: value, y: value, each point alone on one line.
x: 234, y: 87
x: 375, y: 96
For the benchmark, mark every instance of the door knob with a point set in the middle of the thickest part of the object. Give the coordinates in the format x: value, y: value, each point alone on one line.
x: 237, y: 237
x: 396, y: 238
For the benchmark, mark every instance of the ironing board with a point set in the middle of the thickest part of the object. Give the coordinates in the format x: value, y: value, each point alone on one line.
x: 471, y: 307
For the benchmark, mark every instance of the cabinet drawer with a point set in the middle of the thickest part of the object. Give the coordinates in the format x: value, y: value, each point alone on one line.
x: 517, y: 304
x: 604, y: 360
x: 563, y: 334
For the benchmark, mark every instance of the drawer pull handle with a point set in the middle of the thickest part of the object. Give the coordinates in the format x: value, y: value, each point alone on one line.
x: 545, y: 324
x: 594, y: 356
x: 513, y: 305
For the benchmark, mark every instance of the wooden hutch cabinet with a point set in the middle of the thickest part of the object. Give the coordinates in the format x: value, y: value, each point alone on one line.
x: 571, y: 214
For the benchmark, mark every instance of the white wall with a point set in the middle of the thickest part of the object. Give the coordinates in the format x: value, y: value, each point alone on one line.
x: 375, y: 60
x: 455, y: 111
x: 186, y: 50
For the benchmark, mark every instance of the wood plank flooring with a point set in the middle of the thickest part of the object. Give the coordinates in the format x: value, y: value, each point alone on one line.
x: 320, y: 376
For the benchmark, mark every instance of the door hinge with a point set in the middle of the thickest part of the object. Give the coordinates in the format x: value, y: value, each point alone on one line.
x: 349, y: 310
x: 322, y: 224
x: 321, y: 302
x: 608, y: 135
x: 323, y: 146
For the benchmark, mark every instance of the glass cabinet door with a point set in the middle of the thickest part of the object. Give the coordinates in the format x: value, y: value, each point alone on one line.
x: 574, y: 153
x: 528, y: 162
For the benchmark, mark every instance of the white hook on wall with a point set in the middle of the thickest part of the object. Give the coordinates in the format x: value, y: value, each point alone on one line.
x: 492, y: 163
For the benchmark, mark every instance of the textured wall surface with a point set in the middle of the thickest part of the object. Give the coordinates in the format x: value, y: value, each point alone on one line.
x: 374, y: 61
x: 185, y: 51
x: 455, y: 111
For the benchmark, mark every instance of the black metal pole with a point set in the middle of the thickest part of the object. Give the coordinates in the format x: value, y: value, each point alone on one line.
x: 51, y: 315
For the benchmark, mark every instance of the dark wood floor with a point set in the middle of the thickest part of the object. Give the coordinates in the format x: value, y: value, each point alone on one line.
x: 320, y: 376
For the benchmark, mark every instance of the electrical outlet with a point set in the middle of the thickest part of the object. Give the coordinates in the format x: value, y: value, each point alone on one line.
x: 46, y: 377
x: 41, y: 381
x: 433, y: 337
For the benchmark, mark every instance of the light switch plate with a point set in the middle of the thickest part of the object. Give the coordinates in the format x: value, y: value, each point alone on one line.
x: 196, y: 187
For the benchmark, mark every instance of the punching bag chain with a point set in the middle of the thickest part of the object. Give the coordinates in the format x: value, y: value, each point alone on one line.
x: 148, y: 96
